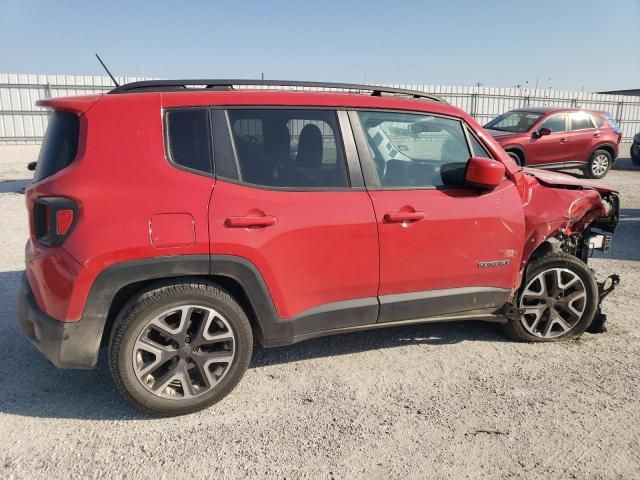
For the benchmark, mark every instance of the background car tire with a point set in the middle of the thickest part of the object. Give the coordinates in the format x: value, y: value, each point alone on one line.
x: 549, y: 263
x: 135, y: 318
x: 516, y: 158
x: 599, y: 164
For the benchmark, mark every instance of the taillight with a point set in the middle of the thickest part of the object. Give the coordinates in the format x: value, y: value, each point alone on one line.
x: 54, y: 219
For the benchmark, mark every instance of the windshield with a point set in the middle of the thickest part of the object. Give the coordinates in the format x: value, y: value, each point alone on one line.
x: 516, y: 122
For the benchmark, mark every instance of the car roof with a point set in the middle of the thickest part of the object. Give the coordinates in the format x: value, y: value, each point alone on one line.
x: 258, y: 98
x: 231, y: 84
x: 545, y: 110
x: 282, y: 93
x: 294, y: 98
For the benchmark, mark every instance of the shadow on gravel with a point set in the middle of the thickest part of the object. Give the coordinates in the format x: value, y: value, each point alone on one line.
x: 14, y: 186
x: 31, y: 386
x: 436, y: 334
x: 623, y: 163
x: 625, y: 238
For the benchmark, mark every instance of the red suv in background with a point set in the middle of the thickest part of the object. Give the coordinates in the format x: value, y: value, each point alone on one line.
x: 177, y: 225
x: 558, y: 138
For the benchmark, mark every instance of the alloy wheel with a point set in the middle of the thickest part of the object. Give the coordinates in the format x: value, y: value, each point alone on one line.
x: 184, y: 352
x: 553, y: 303
x: 600, y: 165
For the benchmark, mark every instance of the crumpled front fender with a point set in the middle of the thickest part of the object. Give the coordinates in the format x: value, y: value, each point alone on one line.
x: 552, y: 210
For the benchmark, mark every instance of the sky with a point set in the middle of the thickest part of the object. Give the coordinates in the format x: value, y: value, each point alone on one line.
x: 562, y: 44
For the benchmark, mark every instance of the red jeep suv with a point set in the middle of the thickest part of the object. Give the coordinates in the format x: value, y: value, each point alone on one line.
x: 175, y: 222
x: 559, y: 138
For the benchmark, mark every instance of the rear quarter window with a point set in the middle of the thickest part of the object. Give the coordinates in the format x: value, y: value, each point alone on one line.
x: 598, y: 120
x: 613, y: 123
x: 189, y: 138
x: 60, y: 145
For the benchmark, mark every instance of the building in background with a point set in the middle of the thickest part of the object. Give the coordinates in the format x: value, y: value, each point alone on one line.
x: 631, y: 92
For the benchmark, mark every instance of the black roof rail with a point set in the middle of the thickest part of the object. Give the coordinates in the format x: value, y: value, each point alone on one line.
x: 217, y: 84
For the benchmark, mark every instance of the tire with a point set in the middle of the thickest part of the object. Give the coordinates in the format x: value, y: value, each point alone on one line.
x: 516, y: 158
x: 599, y: 164
x: 584, y: 308
x: 636, y: 160
x: 191, y: 336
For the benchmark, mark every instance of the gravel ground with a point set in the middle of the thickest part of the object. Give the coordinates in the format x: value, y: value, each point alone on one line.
x: 454, y: 400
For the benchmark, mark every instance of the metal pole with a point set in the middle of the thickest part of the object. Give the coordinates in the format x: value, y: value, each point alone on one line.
x: 619, y: 112
x: 474, y: 104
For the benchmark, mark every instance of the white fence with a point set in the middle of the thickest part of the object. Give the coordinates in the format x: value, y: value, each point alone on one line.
x: 22, y: 122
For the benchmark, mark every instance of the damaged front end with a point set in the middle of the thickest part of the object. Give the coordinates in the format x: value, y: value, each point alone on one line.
x: 577, y: 217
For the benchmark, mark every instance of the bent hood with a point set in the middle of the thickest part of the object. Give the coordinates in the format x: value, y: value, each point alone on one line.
x: 561, y: 179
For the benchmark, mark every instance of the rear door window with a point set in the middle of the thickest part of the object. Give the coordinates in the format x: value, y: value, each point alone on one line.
x: 290, y: 148
x: 580, y: 121
x: 60, y: 145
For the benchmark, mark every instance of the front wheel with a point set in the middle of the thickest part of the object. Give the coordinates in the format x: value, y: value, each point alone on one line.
x: 179, y: 347
x: 599, y: 164
x: 516, y: 158
x: 559, y: 299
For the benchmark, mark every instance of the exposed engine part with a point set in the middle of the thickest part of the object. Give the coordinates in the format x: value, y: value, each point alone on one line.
x: 598, y: 241
x: 581, y: 245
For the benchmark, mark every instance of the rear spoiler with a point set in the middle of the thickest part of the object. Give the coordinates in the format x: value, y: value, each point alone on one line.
x: 78, y: 105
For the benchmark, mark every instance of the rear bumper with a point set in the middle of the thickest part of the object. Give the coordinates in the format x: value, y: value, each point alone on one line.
x: 65, y: 344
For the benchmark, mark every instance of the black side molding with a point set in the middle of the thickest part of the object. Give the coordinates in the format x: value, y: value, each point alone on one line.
x: 78, y: 346
x: 405, y: 306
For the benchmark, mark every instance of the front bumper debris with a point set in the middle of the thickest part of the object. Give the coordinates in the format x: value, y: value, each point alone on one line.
x: 604, y: 288
x: 598, y: 241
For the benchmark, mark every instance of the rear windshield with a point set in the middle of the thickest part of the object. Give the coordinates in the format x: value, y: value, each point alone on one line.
x: 59, y: 146
x: 613, y: 123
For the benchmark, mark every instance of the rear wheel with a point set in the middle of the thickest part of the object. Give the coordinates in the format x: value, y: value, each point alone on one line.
x: 599, y: 164
x: 559, y: 298
x: 180, y: 347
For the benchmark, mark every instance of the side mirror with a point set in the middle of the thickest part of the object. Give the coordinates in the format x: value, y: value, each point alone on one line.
x: 542, y: 132
x: 31, y: 166
x: 484, y: 173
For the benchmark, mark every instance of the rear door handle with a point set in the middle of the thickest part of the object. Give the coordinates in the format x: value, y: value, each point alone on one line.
x: 399, y: 217
x: 251, y: 222
x: 563, y: 140
x: 596, y: 135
